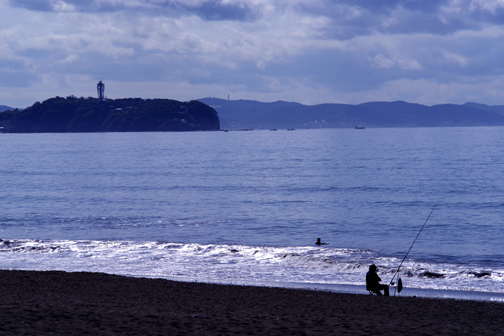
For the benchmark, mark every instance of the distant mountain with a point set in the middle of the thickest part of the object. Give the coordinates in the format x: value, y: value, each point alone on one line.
x: 5, y: 108
x: 249, y: 114
x: 73, y: 114
x: 493, y: 108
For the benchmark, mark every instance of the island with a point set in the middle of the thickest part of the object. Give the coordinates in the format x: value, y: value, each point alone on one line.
x: 72, y: 114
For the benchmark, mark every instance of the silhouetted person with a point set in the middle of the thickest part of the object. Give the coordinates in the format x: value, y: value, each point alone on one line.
x: 319, y: 242
x: 373, y: 282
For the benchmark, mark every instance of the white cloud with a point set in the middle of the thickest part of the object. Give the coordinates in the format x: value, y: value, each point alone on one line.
x: 455, y: 58
x: 70, y: 59
x: 488, y: 5
x: 302, y: 50
x: 61, y: 6
x: 383, y: 62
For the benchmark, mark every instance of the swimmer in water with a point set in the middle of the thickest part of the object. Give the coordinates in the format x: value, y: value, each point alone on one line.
x: 320, y: 243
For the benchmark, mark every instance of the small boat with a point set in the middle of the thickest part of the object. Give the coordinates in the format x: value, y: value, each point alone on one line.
x: 360, y: 127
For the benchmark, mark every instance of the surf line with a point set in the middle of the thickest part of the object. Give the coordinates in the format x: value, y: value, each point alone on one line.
x: 399, y: 282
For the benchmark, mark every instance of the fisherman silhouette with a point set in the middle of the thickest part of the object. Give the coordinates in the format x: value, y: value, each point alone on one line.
x: 373, y: 282
x: 320, y: 243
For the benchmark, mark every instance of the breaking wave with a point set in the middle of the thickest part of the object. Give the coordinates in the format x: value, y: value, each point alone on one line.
x: 241, y: 263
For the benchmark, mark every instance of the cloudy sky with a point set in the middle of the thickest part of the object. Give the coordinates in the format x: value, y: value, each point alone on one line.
x: 307, y: 51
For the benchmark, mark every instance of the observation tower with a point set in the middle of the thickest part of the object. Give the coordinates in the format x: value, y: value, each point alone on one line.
x: 100, y: 87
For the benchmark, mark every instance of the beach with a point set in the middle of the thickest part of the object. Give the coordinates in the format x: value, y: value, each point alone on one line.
x: 64, y: 303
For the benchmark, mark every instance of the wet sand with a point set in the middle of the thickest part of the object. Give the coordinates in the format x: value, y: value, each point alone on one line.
x: 60, y: 303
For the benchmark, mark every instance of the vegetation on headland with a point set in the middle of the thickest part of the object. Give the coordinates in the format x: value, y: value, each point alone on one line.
x: 72, y: 114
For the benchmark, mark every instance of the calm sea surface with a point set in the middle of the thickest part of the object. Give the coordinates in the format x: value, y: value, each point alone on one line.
x: 249, y: 205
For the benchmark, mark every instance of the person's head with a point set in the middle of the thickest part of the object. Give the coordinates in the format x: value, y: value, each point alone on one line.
x: 318, y: 240
x: 373, y: 268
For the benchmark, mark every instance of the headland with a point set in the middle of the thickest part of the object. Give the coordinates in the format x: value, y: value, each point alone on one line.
x: 72, y: 114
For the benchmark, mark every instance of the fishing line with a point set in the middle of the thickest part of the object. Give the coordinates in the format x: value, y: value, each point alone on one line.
x: 391, y: 281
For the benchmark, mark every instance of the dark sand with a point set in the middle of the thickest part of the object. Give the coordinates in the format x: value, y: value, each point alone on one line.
x: 59, y: 303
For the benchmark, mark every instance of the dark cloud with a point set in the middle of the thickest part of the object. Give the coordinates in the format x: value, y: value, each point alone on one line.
x: 379, y: 7
x: 429, y: 24
x: 215, y: 11
x: 366, y: 17
x: 34, y: 5
x: 425, y: 6
x: 400, y: 17
x: 422, y: 15
x: 211, y: 10
x: 493, y: 17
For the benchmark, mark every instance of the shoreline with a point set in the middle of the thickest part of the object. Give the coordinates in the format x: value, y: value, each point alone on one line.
x: 61, y: 303
x: 336, y: 288
x: 361, y: 289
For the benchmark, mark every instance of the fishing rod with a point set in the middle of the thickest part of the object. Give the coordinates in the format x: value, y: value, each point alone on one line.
x: 392, y: 281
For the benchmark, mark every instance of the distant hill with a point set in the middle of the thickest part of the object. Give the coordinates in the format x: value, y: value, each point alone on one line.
x: 5, y: 108
x: 493, y: 108
x: 249, y: 114
x: 73, y: 114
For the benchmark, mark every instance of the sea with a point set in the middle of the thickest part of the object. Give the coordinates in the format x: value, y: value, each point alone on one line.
x: 246, y: 207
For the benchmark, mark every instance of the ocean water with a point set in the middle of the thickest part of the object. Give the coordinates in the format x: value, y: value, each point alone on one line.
x: 248, y: 206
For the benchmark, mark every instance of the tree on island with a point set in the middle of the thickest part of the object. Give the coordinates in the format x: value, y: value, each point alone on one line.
x: 72, y: 114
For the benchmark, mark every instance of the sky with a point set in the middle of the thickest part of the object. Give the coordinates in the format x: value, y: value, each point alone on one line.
x: 307, y: 51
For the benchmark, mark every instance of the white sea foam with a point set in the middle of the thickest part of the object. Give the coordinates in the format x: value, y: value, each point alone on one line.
x: 240, y: 263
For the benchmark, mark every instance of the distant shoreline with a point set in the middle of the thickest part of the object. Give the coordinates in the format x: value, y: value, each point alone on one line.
x: 250, y: 114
